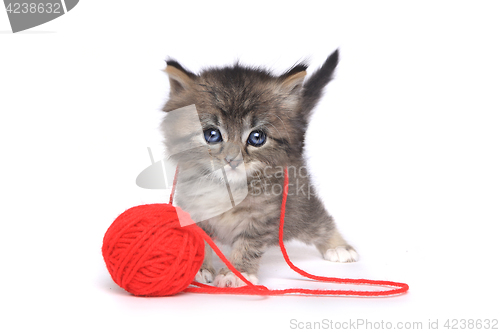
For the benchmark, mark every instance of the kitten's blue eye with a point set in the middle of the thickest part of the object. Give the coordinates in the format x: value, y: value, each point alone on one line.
x: 212, y: 135
x: 257, y: 138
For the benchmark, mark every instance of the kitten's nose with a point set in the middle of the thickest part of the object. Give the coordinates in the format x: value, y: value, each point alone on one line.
x: 233, y: 163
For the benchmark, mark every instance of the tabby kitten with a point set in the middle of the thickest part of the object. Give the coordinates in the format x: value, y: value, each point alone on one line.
x: 250, y: 126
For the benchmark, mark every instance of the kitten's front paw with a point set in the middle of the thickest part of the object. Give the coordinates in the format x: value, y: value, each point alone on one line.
x: 342, y: 254
x: 204, y: 276
x: 229, y: 280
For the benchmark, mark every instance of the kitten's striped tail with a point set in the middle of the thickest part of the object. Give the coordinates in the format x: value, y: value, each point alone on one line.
x: 313, y: 87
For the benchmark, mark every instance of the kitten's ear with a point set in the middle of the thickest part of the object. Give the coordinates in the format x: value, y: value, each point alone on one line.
x: 180, y: 78
x: 292, y: 80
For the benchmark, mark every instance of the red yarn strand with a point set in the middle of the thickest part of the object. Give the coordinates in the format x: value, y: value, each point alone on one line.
x: 173, y: 186
x: 251, y: 289
x: 221, y: 256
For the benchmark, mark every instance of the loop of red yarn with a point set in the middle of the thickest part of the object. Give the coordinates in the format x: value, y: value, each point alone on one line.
x: 148, y: 253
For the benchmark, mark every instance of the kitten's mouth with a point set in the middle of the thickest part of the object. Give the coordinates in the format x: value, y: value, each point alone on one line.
x: 235, y: 174
x: 227, y: 168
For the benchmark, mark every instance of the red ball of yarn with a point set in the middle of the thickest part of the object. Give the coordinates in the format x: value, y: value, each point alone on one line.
x: 148, y: 253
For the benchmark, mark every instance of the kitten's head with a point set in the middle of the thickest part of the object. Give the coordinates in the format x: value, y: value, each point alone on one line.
x: 248, y: 118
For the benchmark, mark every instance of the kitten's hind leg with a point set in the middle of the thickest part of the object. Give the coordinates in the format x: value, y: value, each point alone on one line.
x: 207, y: 272
x: 336, y: 249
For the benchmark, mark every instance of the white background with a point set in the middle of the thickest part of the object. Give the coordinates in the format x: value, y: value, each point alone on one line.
x: 404, y: 148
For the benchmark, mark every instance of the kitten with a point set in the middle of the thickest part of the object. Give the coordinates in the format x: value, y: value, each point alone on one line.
x: 251, y: 125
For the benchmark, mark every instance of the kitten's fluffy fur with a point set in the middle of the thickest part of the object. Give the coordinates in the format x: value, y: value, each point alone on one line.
x: 237, y: 100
